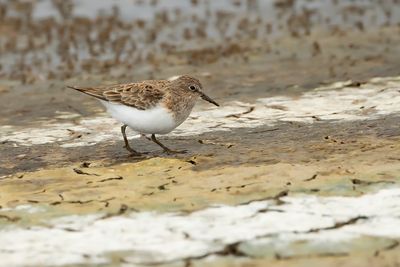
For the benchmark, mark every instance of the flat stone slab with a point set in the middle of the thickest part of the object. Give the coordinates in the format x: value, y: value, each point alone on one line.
x: 277, y: 179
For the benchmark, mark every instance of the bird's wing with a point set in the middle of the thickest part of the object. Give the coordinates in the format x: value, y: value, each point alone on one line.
x: 142, y: 95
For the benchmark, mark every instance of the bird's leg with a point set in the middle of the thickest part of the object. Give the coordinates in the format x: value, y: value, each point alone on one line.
x: 145, y: 136
x: 127, y: 146
x: 166, y: 149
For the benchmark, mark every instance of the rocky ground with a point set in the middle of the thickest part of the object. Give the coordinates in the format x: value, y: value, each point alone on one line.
x: 299, y: 166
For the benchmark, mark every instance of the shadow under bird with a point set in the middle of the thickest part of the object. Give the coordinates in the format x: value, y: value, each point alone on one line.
x: 150, y: 107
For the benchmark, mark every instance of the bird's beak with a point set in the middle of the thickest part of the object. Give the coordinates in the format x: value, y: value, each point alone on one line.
x: 206, y: 98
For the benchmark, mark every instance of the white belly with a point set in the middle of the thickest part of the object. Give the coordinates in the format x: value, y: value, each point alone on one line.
x: 156, y: 120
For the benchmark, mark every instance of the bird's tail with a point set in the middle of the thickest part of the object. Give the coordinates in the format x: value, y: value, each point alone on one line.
x: 89, y: 91
x: 77, y: 88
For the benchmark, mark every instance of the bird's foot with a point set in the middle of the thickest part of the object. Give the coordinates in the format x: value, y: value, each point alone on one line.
x: 134, y: 153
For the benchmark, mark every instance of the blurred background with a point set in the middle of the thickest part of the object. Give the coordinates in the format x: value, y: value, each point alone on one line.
x: 59, y: 39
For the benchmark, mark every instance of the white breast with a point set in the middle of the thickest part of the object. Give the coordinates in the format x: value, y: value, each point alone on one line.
x: 157, y: 120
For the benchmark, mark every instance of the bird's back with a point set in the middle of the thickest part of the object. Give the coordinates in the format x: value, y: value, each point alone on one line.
x: 141, y: 95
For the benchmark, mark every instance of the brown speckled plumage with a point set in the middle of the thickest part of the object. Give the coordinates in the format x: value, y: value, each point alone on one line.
x: 175, y: 94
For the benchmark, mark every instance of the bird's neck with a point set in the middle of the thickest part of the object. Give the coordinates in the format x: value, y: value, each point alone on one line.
x: 181, y: 105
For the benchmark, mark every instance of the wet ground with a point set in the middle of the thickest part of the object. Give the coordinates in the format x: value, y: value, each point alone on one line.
x: 299, y: 166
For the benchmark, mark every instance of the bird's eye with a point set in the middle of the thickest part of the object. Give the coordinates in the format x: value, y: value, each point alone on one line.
x: 192, y: 87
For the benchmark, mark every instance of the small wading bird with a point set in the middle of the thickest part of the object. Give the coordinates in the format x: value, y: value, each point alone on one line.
x: 150, y: 107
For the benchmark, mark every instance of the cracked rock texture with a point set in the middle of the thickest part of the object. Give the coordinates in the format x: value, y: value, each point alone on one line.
x: 300, y: 165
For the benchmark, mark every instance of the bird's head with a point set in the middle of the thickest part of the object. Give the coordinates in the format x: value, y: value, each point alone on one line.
x: 192, y: 86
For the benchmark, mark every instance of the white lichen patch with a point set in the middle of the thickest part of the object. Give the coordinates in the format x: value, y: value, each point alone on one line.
x: 338, y: 102
x: 25, y: 208
x: 151, y: 238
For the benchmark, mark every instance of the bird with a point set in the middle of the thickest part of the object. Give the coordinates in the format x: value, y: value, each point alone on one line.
x: 150, y: 107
